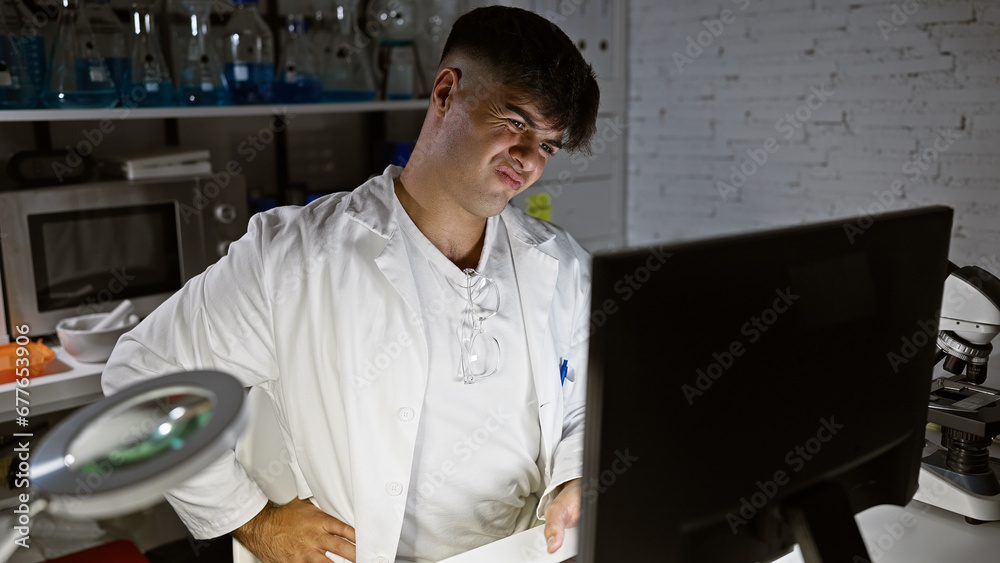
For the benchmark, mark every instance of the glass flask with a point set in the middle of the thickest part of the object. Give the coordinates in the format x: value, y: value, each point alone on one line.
x: 396, y: 27
x: 347, y: 72
x: 323, y: 32
x: 395, y: 19
x: 249, y: 55
x: 296, y: 79
x: 149, y: 83
x: 110, y: 36
x: 78, y: 76
x: 400, y: 69
x: 202, y: 81
x: 21, y: 58
x: 439, y: 16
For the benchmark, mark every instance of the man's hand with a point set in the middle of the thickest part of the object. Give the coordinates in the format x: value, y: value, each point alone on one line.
x: 297, y: 532
x: 563, y: 512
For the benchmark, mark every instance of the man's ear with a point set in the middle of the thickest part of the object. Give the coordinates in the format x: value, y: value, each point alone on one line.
x: 445, y: 86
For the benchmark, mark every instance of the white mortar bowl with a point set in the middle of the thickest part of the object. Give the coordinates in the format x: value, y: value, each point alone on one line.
x: 88, y: 345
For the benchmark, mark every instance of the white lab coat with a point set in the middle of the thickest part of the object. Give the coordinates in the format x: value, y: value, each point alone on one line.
x: 317, y: 305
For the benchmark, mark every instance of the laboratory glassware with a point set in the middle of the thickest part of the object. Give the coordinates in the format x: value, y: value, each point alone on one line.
x: 249, y: 55
x: 396, y: 28
x: 110, y: 35
x: 202, y: 81
x: 347, y: 71
x: 296, y: 79
x: 149, y: 81
x: 20, y: 57
x: 78, y: 75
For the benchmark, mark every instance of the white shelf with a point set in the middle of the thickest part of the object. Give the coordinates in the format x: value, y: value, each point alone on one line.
x: 69, y: 384
x: 203, y: 112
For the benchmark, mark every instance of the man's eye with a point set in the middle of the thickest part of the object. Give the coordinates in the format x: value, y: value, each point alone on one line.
x: 517, y: 124
x: 548, y: 148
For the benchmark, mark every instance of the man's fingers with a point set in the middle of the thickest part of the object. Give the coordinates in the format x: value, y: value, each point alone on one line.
x: 563, y: 512
x: 555, y: 540
x: 555, y: 525
x: 338, y: 528
x: 339, y: 546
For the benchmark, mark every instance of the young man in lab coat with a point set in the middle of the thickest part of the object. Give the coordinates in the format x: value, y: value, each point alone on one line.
x: 355, y: 315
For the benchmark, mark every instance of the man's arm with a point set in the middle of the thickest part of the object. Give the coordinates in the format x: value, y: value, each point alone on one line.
x: 218, y: 320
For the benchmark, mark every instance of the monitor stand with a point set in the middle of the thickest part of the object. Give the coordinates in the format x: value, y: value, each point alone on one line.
x: 823, y: 525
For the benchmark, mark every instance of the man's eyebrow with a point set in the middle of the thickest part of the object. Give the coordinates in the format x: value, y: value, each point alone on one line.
x: 524, y: 115
x: 557, y: 143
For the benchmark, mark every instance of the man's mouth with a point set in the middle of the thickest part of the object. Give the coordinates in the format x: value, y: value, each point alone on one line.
x: 509, y: 177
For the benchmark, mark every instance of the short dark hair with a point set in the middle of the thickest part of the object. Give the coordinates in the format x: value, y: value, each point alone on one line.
x: 532, y: 55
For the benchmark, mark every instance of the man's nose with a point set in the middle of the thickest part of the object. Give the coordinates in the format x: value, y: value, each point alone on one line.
x: 525, y: 153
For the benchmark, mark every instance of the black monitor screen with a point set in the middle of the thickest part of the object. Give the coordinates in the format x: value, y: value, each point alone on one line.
x: 732, y: 378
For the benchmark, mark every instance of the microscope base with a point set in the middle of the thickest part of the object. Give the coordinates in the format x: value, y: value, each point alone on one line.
x: 936, y: 490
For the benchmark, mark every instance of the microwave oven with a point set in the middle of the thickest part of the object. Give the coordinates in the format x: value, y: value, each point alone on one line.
x: 73, y: 250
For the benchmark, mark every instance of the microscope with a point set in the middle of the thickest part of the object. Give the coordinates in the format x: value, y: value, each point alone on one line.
x: 959, y: 475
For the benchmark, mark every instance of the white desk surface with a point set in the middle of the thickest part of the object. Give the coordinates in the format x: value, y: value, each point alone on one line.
x: 920, y: 533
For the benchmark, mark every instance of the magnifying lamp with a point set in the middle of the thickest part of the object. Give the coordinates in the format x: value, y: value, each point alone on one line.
x: 120, y: 454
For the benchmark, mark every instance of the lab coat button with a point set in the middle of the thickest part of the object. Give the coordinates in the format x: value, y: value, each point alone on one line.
x: 393, y: 488
x: 381, y: 559
x: 405, y: 414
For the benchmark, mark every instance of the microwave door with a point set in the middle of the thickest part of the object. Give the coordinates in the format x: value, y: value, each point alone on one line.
x: 82, y: 249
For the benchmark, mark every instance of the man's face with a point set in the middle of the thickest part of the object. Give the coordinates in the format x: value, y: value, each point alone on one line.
x: 497, y: 146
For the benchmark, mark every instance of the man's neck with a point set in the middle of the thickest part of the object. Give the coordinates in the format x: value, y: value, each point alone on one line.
x: 456, y: 233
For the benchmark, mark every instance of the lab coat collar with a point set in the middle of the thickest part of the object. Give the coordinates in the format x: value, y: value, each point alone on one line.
x: 538, y: 233
x: 372, y: 205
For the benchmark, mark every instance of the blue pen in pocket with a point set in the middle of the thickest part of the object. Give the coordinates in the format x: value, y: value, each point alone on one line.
x: 563, y: 369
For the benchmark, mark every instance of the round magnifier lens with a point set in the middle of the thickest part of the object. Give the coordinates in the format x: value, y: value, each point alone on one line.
x: 140, y: 431
x: 121, y: 453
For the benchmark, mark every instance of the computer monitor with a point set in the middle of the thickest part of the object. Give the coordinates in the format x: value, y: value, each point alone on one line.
x: 750, y: 392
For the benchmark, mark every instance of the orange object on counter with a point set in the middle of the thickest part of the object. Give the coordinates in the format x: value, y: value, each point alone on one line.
x: 39, y: 355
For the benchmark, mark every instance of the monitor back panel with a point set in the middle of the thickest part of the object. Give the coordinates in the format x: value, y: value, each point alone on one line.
x: 730, y: 373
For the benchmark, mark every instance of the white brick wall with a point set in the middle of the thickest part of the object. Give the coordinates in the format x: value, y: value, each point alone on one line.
x: 901, y: 73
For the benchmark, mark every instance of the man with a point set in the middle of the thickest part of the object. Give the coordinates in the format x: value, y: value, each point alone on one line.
x: 424, y: 344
